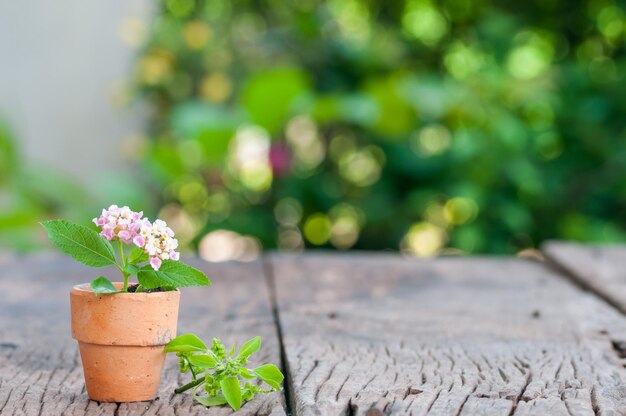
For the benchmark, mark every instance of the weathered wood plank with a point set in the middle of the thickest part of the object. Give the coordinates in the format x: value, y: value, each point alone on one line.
x: 40, y: 370
x: 375, y: 334
x: 600, y: 268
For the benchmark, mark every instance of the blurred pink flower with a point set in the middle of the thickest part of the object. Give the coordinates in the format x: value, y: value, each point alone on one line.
x: 280, y: 158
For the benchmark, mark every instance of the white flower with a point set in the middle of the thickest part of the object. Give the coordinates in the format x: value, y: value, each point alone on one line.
x: 158, y: 242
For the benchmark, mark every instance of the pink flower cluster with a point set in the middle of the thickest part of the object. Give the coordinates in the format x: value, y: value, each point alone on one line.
x: 120, y: 223
x: 127, y: 226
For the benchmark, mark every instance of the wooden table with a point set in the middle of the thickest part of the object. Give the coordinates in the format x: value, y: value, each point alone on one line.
x: 365, y: 334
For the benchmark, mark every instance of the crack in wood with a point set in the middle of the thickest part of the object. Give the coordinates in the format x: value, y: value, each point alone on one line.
x: 619, y: 347
x: 503, y: 375
x: 458, y: 413
x: 520, y: 397
x: 350, y: 409
x: 308, y: 374
x: 319, y: 386
x: 430, y: 406
x: 8, y: 345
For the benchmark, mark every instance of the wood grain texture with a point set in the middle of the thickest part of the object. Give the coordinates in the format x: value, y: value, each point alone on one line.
x: 40, y: 369
x: 376, y: 334
x: 600, y: 268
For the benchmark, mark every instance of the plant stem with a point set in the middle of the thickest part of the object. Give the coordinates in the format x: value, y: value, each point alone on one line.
x: 193, y: 373
x: 125, y: 287
x: 123, y: 269
x: 122, y: 259
x: 189, y: 385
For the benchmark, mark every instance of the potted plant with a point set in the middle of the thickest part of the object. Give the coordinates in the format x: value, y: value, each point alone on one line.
x: 122, y: 328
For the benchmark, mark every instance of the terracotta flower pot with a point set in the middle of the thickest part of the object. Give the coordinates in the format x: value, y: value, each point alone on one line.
x: 121, y: 338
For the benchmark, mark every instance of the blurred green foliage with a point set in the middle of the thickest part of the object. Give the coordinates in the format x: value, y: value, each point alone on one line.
x: 473, y: 126
x: 29, y: 194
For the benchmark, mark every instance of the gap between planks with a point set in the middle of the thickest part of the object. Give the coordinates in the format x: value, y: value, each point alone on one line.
x: 572, y: 277
x: 288, y: 386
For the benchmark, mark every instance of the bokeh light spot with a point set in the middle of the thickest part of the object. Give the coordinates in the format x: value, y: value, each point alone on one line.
x: 352, y: 17
x: 180, y: 220
x: 424, y: 22
x: 290, y: 239
x: 462, y: 61
x: 360, y: 167
x: 602, y: 69
x: 192, y: 195
x: 133, y: 32
x: 549, y: 145
x: 288, y: 212
x: 196, y: 34
x: 216, y: 87
x: 423, y: 239
x: 346, y: 225
x: 611, y: 21
x: 155, y: 67
x: 250, y: 156
x: 460, y: 210
x: 303, y: 139
x: 224, y: 245
x: 317, y: 229
x: 341, y: 145
x: 432, y: 140
x: 532, y: 58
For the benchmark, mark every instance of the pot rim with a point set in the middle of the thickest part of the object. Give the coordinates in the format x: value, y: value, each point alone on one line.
x: 84, y: 289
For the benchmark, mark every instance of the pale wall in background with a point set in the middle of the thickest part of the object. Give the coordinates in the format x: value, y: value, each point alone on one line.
x: 61, y: 64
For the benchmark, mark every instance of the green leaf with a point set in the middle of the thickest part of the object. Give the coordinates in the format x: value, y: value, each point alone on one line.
x: 203, y: 360
x: 231, y: 391
x: 137, y: 255
x: 171, y: 273
x: 270, y: 374
x: 131, y: 269
x: 186, y: 343
x: 102, y: 285
x: 250, y: 347
x: 245, y: 373
x: 82, y: 243
x: 211, y: 401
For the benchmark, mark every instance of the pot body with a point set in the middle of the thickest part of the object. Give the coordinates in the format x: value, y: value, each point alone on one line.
x: 121, y: 338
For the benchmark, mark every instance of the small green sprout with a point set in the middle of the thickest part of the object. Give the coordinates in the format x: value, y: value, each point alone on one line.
x: 221, y: 373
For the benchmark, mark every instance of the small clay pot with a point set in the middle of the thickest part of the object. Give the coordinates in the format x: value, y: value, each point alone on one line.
x: 121, y: 338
